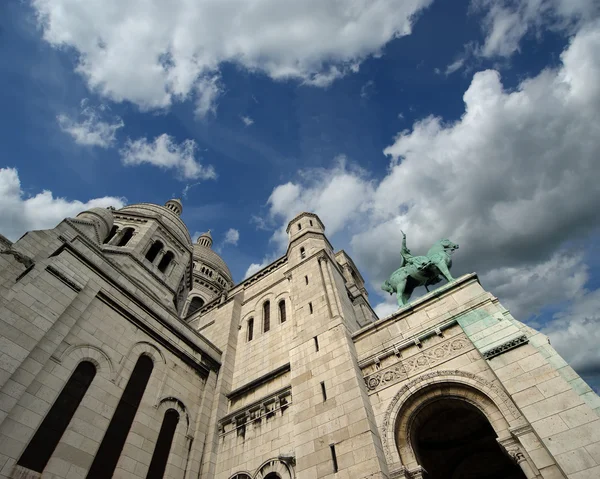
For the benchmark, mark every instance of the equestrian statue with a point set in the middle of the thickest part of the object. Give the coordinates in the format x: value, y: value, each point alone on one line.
x: 420, y: 270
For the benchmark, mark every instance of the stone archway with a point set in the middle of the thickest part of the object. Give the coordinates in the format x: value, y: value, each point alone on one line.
x: 453, y: 439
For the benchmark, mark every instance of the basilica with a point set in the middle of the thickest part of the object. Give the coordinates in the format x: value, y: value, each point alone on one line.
x: 128, y: 351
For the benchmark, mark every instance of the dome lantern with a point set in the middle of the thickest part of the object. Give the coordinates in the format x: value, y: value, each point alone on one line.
x: 175, y: 206
x: 205, y: 239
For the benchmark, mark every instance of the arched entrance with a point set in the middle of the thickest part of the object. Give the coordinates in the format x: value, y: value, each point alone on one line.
x: 452, y: 439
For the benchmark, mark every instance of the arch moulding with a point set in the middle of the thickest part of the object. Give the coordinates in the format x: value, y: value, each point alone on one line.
x: 483, y: 394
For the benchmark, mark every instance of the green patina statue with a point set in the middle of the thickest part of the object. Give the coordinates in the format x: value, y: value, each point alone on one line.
x: 420, y: 270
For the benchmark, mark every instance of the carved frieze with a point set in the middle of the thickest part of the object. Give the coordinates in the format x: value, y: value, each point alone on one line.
x: 507, y: 346
x: 403, y: 369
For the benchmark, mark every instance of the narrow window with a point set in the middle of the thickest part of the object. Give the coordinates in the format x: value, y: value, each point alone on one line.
x: 158, y: 464
x: 46, y: 438
x: 153, y: 251
x: 250, y: 328
x: 302, y: 253
x: 311, y: 223
x: 165, y: 261
x: 306, y: 279
x: 282, y: 316
x: 310, y: 309
x: 323, y: 391
x: 316, y: 344
x: 266, y: 316
x: 106, y: 459
x: 196, y: 303
x: 299, y: 226
x: 111, y: 235
x: 333, y: 458
x: 125, y: 236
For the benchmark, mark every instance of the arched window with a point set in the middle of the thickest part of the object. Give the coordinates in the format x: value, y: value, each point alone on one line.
x: 111, y: 235
x: 158, y: 463
x: 282, y: 316
x: 106, y: 459
x: 302, y: 252
x: 165, y: 261
x: 266, y: 316
x: 195, y: 304
x: 250, y: 329
x: 241, y: 475
x: 46, y: 438
x: 125, y: 236
x: 153, y: 251
x: 299, y: 226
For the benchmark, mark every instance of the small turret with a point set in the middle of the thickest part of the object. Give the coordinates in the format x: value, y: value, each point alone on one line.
x: 175, y: 206
x: 205, y: 239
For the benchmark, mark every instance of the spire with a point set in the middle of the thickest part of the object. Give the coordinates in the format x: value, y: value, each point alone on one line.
x: 205, y: 239
x: 175, y: 206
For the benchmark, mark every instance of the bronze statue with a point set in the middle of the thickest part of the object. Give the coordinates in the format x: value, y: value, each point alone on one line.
x: 420, y: 270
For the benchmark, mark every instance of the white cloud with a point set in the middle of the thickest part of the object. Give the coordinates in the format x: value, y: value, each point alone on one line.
x: 208, y: 90
x: 508, y: 21
x: 154, y: 52
x: 512, y: 181
x: 455, y: 66
x: 575, y: 333
x: 247, y: 120
x: 165, y: 153
x: 92, y: 129
x: 20, y: 213
x: 232, y: 236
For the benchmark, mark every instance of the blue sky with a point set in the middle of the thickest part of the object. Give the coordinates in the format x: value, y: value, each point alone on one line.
x: 477, y: 120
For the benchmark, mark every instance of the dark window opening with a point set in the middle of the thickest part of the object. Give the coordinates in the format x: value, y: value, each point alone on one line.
x: 125, y: 236
x: 165, y: 261
x: 106, y: 458
x: 283, y: 404
x: 310, y: 308
x: 316, y: 343
x: 250, y: 328
x: 311, y: 223
x: 323, y: 391
x: 153, y: 251
x: 282, y: 313
x: 299, y: 226
x: 302, y: 253
x: 195, y: 304
x: 306, y: 279
x: 333, y: 458
x: 158, y: 464
x: 111, y: 235
x: 241, y: 476
x: 266, y: 316
x: 46, y: 438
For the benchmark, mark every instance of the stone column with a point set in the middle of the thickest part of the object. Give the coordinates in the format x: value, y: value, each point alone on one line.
x: 512, y: 448
x: 417, y: 472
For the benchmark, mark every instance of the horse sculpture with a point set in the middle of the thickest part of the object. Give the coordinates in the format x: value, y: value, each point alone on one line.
x: 420, y: 270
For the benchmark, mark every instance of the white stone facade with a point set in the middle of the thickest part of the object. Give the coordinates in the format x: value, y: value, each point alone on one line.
x: 288, y: 374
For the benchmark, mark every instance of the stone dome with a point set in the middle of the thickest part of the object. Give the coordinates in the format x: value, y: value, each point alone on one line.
x: 170, y: 217
x: 204, y: 254
x: 102, y: 218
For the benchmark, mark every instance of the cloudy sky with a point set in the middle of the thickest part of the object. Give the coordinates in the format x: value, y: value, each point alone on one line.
x: 477, y: 120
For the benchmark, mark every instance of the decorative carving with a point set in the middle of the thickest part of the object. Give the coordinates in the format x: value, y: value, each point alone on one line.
x: 513, y: 343
x: 403, y: 369
x: 496, y: 394
x: 420, y: 270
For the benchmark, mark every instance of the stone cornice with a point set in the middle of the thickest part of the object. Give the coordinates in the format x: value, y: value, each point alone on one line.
x: 259, y: 381
x: 416, y: 305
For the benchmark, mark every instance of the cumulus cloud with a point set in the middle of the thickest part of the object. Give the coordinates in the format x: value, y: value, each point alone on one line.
x: 153, y: 53
x: 21, y: 213
x: 232, y: 236
x: 506, y: 22
x: 165, y: 153
x: 575, y: 333
x: 93, y: 128
x: 513, y: 181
